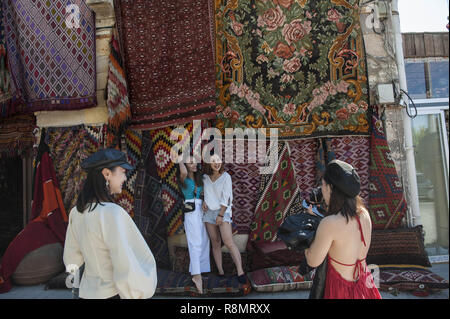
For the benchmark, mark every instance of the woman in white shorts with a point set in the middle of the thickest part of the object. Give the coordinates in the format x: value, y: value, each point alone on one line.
x: 217, y: 207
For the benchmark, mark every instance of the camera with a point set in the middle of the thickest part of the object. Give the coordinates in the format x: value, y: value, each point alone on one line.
x: 316, y: 197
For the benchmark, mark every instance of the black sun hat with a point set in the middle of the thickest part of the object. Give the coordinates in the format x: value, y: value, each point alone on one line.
x: 108, y: 157
x: 344, y: 177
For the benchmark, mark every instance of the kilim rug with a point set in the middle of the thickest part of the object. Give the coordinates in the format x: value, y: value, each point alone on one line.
x: 246, y: 179
x: 294, y: 65
x: 324, y: 155
x: 387, y: 203
x: 119, y: 111
x: 168, y: 50
x: 167, y: 172
x: 303, y: 157
x: 16, y: 135
x: 51, y: 51
x: 69, y: 146
x: 148, y: 205
x: 131, y: 146
x: 355, y: 151
x: 275, y: 199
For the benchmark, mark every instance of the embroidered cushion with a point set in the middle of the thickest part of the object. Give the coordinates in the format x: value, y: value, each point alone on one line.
x: 398, y: 246
x: 410, y: 278
x: 282, y: 278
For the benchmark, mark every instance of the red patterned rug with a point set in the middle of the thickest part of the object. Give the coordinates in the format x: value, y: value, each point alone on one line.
x: 303, y: 157
x: 387, y: 203
x: 246, y: 179
x: 168, y: 51
x: 355, y: 151
x: 278, y: 193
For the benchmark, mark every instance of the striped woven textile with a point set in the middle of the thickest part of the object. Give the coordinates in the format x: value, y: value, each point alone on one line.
x: 131, y: 146
x: 16, y: 135
x: 69, y: 146
x: 119, y: 111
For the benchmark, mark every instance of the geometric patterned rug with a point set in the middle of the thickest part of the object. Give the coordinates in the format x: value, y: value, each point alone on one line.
x: 355, y: 151
x: 52, y: 56
x: 278, y: 192
x: 167, y: 173
x: 148, y: 205
x: 69, y: 146
x: 387, y: 204
x: 303, y: 157
x: 246, y: 179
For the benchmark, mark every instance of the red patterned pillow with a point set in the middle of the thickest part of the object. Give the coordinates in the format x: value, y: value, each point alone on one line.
x: 403, y: 246
x: 409, y: 278
x: 282, y: 278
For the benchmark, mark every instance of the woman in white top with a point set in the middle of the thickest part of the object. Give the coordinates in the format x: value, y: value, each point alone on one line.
x: 101, y: 235
x: 217, y: 207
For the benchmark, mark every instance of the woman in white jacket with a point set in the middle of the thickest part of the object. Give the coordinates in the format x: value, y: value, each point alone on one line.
x: 101, y: 235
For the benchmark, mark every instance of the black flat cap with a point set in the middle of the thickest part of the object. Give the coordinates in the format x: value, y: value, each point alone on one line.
x: 343, y: 176
x: 108, y: 157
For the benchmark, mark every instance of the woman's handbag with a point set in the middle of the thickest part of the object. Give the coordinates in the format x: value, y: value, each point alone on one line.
x: 189, y: 207
x: 298, y: 231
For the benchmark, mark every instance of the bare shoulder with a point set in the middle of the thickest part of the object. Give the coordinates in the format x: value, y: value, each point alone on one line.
x: 364, y: 215
x: 331, y: 221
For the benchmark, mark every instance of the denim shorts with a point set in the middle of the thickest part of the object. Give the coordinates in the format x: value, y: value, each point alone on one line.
x: 211, y: 215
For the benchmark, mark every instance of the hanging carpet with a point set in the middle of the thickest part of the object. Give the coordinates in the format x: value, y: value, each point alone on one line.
x: 298, y: 66
x: 148, y: 205
x: 16, y: 135
x: 5, y: 95
x: 387, y: 203
x: 69, y: 146
x: 51, y: 52
x: 169, y: 60
x: 279, y: 194
x: 355, y: 151
x: 303, y: 157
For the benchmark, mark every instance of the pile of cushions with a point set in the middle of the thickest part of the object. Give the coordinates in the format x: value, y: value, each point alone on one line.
x: 403, y: 261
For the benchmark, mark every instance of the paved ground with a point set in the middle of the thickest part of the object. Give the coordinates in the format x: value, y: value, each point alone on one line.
x: 38, y: 292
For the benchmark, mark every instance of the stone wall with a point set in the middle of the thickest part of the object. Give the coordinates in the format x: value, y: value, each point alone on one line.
x: 382, y: 68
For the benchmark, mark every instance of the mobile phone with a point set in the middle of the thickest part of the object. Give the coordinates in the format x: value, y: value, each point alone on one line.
x: 314, y: 208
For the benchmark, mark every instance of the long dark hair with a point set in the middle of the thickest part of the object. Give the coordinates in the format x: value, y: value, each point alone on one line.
x: 341, y: 203
x: 94, y: 191
x: 198, y: 177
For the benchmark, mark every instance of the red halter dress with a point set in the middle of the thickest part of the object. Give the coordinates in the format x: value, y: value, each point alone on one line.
x: 363, y: 286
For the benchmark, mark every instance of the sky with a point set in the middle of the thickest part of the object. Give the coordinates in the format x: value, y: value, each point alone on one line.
x: 423, y: 15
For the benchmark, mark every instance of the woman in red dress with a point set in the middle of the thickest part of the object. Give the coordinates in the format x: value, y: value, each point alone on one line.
x: 343, y: 236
